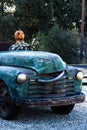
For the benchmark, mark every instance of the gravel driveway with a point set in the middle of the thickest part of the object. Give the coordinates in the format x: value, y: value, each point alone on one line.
x: 44, y: 119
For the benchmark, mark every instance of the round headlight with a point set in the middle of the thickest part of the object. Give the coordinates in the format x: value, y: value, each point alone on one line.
x: 79, y: 76
x: 21, y: 78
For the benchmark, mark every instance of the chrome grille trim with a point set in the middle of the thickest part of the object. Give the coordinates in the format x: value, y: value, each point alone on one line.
x: 61, y: 87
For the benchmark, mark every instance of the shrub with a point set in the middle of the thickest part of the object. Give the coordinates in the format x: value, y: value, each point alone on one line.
x: 63, y: 43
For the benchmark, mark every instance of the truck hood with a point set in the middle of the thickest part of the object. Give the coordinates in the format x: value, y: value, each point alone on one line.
x: 42, y: 62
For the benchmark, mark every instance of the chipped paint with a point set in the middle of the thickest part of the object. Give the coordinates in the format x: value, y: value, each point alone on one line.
x: 44, y: 66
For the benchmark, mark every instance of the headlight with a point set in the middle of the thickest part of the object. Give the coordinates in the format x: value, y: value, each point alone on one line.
x: 79, y: 75
x: 21, y: 78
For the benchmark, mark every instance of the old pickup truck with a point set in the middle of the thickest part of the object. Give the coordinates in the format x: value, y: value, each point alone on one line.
x: 34, y: 79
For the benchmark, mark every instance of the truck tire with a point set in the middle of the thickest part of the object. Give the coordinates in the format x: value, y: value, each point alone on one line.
x: 63, y: 109
x: 8, y: 109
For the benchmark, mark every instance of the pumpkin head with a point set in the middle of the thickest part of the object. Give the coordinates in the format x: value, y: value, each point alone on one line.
x: 19, y: 35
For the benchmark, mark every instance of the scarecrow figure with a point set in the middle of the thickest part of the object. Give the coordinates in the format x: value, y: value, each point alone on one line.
x: 21, y: 44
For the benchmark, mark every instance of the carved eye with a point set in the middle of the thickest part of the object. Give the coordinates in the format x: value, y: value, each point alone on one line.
x: 18, y: 33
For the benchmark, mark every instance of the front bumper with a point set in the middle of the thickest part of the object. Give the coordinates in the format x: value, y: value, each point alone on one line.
x: 52, y: 101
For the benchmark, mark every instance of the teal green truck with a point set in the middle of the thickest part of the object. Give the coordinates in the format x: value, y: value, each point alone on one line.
x: 36, y: 79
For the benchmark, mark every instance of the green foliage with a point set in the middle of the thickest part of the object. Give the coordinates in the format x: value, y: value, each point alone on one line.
x: 7, y: 28
x: 7, y: 21
x: 25, y: 15
x: 63, y: 43
x: 45, y: 14
x: 85, y: 18
x: 33, y: 16
x: 38, y: 17
x: 41, y: 46
x: 67, y: 12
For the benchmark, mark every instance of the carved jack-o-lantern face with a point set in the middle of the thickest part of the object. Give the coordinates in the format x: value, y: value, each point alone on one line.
x: 19, y: 35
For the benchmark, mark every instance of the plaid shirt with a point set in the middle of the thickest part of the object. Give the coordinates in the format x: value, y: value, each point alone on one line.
x: 17, y: 46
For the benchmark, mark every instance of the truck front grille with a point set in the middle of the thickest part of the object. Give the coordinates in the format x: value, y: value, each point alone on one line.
x: 62, y: 87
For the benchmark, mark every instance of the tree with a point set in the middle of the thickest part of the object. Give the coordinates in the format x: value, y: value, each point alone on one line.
x: 7, y: 22
x: 33, y: 16
x: 63, y: 43
x: 7, y: 28
x: 4, y: 4
x: 85, y: 18
x: 67, y: 13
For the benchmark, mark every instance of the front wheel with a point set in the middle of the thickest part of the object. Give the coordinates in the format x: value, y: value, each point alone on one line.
x: 62, y: 109
x: 8, y: 110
